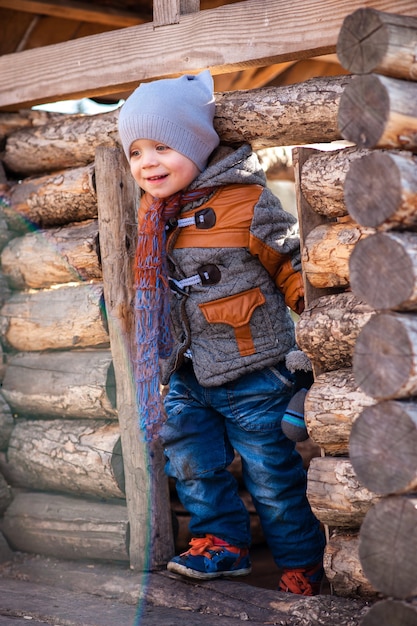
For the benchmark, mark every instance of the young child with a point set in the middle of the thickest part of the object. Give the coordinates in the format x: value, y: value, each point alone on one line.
x: 216, y: 243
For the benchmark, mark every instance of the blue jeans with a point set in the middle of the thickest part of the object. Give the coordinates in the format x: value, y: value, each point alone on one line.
x: 203, y: 428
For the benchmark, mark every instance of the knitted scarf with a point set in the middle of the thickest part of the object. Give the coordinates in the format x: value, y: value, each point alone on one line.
x: 153, y: 333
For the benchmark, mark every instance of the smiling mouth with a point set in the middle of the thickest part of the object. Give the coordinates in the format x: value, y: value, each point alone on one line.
x: 156, y: 178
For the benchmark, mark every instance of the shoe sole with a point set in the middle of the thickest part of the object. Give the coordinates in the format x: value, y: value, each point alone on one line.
x: 192, y: 573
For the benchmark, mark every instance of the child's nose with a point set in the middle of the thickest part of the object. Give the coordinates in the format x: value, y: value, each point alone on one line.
x: 149, y: 158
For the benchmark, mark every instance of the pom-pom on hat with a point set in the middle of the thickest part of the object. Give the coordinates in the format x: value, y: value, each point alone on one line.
x: 178, y: 112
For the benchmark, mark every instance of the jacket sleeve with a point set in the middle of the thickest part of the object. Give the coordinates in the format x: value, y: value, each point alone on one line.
x: 274, y: 240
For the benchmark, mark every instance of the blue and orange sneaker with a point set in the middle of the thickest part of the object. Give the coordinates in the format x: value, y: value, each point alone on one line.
x: 302, y: 581
x: 211, y: 557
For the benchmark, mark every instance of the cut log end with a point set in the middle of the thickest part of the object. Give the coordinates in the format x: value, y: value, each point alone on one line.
x: 363, y: 111
x: 389, y: 612
x: 368, y: 201
x: 388, y: 431
x: 382, y: 368
x: 387, y: 546
x: 380, y: 272
x: 362, y: 42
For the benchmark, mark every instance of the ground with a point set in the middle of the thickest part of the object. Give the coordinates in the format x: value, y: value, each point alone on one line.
x: 39, y: 590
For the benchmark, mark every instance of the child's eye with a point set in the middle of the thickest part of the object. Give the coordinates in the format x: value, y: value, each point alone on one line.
x: 162, y: 148
x: 135, y: 153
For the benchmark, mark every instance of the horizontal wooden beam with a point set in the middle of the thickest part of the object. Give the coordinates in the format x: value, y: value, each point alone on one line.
x: 78, y: 11
x: 228, y: 38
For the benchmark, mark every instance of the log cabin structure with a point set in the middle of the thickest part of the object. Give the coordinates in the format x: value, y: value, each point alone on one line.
x: 71, y: 457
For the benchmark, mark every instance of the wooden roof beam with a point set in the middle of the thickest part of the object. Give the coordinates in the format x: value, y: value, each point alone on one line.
x: 253, y: 33
x: 78, y: 11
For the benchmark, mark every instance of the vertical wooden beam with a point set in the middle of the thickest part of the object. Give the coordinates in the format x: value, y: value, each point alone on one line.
x: 147, y: 492
x: 307, y: 218
x: 189, y: 6
x: 168, y: 11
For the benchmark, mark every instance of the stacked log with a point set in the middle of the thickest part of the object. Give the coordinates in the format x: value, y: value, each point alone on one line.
x: 55, y: 324
x: 58, y: 416
x: 60, y: 420
x: 327, y: 332
x: 377, y: 112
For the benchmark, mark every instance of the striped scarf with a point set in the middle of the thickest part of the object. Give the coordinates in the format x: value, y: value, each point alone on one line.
x: 153, y: 333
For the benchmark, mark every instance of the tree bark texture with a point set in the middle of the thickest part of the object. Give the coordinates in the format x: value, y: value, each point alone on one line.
x: 69, y: 456
x: 389, y: 611
x: 380, y: 190
x: 6, y: 422
x: 281, y: 116
x: 302, y: 113
x: 67, y: 142
x: 388, y: 544
x: 336, y: 496
x: 379, y: 112
x: 343, y: 568
x: 308, y: 219
x: 375, y: 41
x: 322, y: 180
x: 383, y: 445
x: 25, y: 118
x: 332, y: 404
x: 383, y: 270
x: 66, y: 527
x: 71, y: 384
x: 53, y: 256
x: 326, y: 252
x: 56, y: 319
x: 385, y: 356
x: 327, y: 330
x: 52, y: 200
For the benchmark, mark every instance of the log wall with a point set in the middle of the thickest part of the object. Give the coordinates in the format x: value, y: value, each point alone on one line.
x: 59, y: 394
x: 359, y: 326
x: 61, y: 429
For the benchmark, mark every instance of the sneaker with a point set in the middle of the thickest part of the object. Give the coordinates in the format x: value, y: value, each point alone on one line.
x: 303, y: 581
x: 211, y: 557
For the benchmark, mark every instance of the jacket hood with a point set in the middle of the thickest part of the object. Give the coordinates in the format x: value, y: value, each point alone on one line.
x: 229, y: 166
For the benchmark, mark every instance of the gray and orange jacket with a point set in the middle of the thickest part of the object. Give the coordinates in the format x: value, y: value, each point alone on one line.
x: 234, y: 265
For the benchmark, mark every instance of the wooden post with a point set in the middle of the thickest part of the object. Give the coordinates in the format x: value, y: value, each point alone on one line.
x: 147, y: 492
x: 307, y: 217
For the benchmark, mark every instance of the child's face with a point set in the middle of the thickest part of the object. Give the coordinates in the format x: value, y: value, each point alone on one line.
x: 160, y: 170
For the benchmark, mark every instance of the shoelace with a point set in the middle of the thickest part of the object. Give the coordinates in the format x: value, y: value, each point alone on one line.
x: 296, y: 582
x: 200, y: 546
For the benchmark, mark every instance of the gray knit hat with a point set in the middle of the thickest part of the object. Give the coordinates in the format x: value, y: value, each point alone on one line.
x: 178, y: 112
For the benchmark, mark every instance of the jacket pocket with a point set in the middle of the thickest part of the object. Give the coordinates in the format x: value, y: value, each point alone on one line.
x: 236, y: 311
